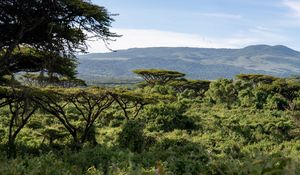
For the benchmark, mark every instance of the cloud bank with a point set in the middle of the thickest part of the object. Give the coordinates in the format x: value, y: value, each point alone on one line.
x: 140, y: 38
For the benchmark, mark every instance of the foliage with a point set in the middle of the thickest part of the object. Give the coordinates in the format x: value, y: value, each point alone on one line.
x: 198, y: 86
x: 131, y: 102
x: 255, y: 79
x: 235, y: 128
x: 132, y: 136
x: 53, y: 31
x: 158, y: 76
x: 167, y: 117
x: 76, y: 109
x: 222, y: 91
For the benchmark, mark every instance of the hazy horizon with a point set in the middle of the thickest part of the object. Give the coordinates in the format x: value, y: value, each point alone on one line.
x: 109, y: 51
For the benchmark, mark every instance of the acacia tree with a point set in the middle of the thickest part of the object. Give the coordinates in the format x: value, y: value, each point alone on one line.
x: 256, y: 79
x: 158, y: 76
x: 131, y: 103
x: 21, y: 107
x: 59, y: 27
x: 32, y: 79
x: 52, y: 67
x: 199, y: 86
x: 72, y: 105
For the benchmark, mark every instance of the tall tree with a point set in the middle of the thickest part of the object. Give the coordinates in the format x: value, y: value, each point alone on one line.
x: 54, y: 26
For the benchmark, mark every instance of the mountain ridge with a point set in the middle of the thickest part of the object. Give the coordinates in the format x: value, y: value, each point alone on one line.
x: 197, y: 63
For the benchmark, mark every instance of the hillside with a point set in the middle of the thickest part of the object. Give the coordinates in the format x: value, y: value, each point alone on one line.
x: 198, y: 63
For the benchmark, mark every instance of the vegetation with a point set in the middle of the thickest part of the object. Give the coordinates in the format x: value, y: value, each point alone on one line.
x: 39, y: 36
x: 156, y: 76
x: 170, y: 125
x: 235, y: 126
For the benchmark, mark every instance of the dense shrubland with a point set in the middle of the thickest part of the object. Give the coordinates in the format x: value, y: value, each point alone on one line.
x: 248, y: 125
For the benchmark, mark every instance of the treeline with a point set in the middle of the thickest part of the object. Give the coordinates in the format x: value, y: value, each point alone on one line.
x: 246, y: 90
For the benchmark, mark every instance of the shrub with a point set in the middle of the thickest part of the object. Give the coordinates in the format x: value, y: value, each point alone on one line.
x: 132, y: 136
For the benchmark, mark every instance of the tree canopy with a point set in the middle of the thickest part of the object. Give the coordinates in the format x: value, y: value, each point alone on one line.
x: 59, y: 28
x: 256, y: 78
x: 87, y: 106
x: 158, y: 76
x: 131, y: 102
x: 199, y: 86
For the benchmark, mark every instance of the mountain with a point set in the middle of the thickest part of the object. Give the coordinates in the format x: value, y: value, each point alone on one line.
x: 197, y: 63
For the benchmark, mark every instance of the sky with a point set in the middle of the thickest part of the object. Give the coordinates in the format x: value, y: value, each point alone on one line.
x: 202, y: 23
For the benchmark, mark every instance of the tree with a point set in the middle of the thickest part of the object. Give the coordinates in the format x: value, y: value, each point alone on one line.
x: 132, y: 136
x: 22, y: 107
x: 158, y: 76
x: 256, y: 79
x: 130, y: 102
x: 33, y: 60
x: 38, y: 80
x: 247, y: 98
x: 277, y: 102
x: 199, y: 86
x: 59, y: 27
x: 222, y: 91
x: 72, y: 105
x: 52, y: 67
x: 168, y: 116
x: 287, y: 90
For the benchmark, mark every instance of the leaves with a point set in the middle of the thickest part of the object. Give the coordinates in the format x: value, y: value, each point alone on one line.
x: 158, y: 76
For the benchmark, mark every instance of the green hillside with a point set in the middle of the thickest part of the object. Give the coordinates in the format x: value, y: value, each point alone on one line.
x: 198, y: 63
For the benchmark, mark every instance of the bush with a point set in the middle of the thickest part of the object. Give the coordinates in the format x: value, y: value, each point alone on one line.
x: 167, y: 117
x: 182, y: 156
x: 132, y: 136
x: 277, y: 101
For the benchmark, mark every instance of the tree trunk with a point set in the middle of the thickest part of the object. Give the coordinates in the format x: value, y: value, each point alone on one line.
x: 77, y: 145
x: 11, y: 148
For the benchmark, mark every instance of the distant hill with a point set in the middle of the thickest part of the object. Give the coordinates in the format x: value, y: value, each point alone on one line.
x: 197, y: 63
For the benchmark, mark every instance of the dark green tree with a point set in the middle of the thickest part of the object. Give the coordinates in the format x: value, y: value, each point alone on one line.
x: 49, y: 67
x: 57, y: 27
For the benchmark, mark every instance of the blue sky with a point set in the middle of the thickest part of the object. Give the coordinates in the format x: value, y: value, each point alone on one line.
x: 203, y: 23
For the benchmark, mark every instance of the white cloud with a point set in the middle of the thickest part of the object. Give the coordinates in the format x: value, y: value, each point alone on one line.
x: 139, y: 38
x: 294, y: 6
x: 153, y: 38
